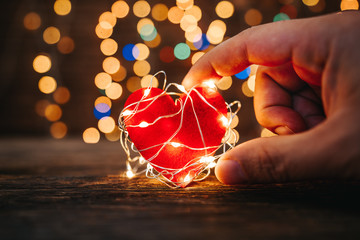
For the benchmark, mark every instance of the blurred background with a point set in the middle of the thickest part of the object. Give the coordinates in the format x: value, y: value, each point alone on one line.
x: 67, y: 67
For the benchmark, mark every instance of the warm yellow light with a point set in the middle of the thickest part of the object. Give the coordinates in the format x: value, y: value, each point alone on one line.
x: 196, y: 57
x: 141, y: 68
x: 253, y: 17
x: 102, y: 80
x: 53, y: 112
x: 120, y: 9
x: 194, y: 11
x: 102, y: 99
x: 42, y: 64
x: 267, y: 133
x: 349, y: 5
x: 194, y: 36
x: 107, y: 20
x: 47, y: 84
x: 206, y: 159
x: 154, y: 43
x: 66, y: 45
x: 246, y: 91
x: 114, y: 135
x: 224, y: 9
x: 40, y: 107
x: 175, y: 144
x: 111, y: 65
x: 32, y: 21
x: 61, y: 95
x: 62, y: 7
x: 224, y: 121
x: 224, y: 83
x: 108, y: 47
x: 188, y: 23
x: 310, y: 3
x: 130, y: 174
x: 133, y: 84
x: 106, y: 124
x: 209, y: 84
x: 175, y: 15
x: 58, y: 130
x: 143, y: 51
x: 159, y: 12
x: 114, y: 91
x: 146, y: 80
x: 234, y: 138
x: 51, y: 35
x: 119, y: 75
x: 103, y: 32
x: 234, y: 121
x: 251, y: 83
x: 141, y: 8
x: 142, y: 22
x: 184, y: 4
x: 216, y: 31
x: 91, y: 135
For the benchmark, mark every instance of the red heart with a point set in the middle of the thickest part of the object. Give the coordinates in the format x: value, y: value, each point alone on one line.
x: 173, y: 136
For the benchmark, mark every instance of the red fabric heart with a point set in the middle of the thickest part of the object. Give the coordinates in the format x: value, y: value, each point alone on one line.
x: 173, y: 136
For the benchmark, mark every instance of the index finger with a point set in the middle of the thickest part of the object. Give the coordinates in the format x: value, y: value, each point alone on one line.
x: 270, y: 45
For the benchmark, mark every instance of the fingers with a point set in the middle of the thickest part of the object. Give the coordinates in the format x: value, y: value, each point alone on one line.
x: 283, y: 102
x: 284, y: 158
x: 270, y: 45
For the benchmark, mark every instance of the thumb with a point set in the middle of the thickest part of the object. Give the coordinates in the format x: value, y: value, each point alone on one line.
x: 303, y: 156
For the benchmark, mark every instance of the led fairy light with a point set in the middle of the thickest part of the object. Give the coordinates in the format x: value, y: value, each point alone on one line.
x: 201, y: 155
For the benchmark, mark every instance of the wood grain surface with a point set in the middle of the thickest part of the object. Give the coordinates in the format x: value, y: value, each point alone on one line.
x: 69, y: 190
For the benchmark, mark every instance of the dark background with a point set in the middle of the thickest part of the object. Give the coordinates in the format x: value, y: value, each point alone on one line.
x: 18, y: 47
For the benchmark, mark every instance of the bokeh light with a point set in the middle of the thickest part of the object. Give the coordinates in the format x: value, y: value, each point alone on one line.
x: 349, y: 5
x: 167, y: 54
x: 243, y: 74
x: 47, y: 84
x: 149, y: 79
x: 202, y: 43
x: 224, y: 83
x: 114, y: 91
x: 53, y: 112
x: 103, y: 32
x: 310, y: 2
x: 120, y: 9
x: 51, y: 35
x: 148, y: 32
x: 42, y: 63
x: 194, y: 11
x: 196, y: 57
x: 175, y: 15
x: 154, y: 43
x: 184, y: 4
x: 251, y: 83
x: 119, y: 75
x: 114, y: 135
x: 133, y: 84
x: 141, y: 51
x: 32, y: 21
x: 253, y: 17
x: 188, y: 23
x: 91, y: 135
x: 141, y: 68
x: 66, y: 45
x: 108, y: 47
x: 102, y: 110
x: 58, y: 130
x: 182, y: 51
x: 267, y: 133
x: 40, y: 107
x: 289, y: 10
x: 245, y: 90
x: 224, y: 9
x: 61, y: 95
x: 107, y: 20
x: 106, y: 124
x: 103, y: 80
x: 62, y: 7
x: 159, y: 12
x: 281, y: 17
x: 111, y: 65
x: 141, y: 9
x: 216, y: 31
x: 103, y: 99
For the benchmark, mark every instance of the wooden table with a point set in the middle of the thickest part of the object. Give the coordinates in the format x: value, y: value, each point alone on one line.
x: 66, y: 189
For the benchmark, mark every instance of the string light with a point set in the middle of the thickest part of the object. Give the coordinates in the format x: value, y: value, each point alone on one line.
x: 195, y: 169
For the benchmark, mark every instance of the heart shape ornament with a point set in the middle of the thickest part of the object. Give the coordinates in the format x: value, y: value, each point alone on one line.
x: 178, y: 138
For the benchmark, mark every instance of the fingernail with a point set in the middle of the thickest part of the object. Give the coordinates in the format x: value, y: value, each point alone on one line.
x: 283, y: 130
x: 230, y: 172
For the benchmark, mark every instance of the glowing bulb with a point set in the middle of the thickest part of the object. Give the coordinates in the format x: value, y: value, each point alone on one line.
x: 211, y: 165
x: 127, y: 113
x: 207, y: 159
x: 181, y: 88
x: 187, y: 178
x: 175, y: 144
x: 224, y: 121
x: 130, y: 174
x: 146, y: 92
x: 143, y: 124
x: 142, y: 160
x: 210, y: 84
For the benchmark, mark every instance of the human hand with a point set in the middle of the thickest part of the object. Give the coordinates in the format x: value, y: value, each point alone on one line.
x: 307, y: 90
